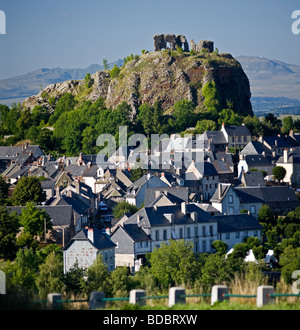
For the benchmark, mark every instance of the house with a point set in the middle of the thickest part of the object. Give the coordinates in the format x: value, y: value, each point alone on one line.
x: 237, y: 137
x: 256, y: 147
x: 226, y: 199
x: 254, y: 162
x: 135, y: 193
x: 291, y: 162
x: 231, y: 200
x: 151, y: 226
x: 233, y: 229
x: 277, y: 143
x: 85, y: 247
x: 214, y: 141
x: 202, y: 179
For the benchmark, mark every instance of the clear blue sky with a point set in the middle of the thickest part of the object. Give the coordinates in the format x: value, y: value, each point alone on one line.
x: 77, y: 33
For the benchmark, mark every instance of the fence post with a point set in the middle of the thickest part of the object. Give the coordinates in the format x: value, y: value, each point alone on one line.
x: 174, y: 296
x: 217, y: 293
x: 95, y: 300
x: 52, y: 301
x: 135, y: 297
x: 2, y: 282
x: 263, y: 295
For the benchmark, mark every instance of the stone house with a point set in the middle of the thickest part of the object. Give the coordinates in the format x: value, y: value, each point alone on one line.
x: 291, y: 162
x: 151, y: 226
x: 86, y: 246
x: 236, y: 136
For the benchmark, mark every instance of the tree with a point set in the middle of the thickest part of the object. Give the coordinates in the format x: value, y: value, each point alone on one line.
x: 3, y: 191
x: 9, y: 227
x: 96, y: 277
x: 205, y: 125
x: 290, y: 261
x: 28, y: 189
x: 287, y: 124
x: 184, y: 114
x: 50, y: 277
x: 114, y: 72
x: 88, y: 80
x: 173, y: 263
x: 33, y: 220
x: 279, y: 173
x: 105, y: 64
x: 122, y: 208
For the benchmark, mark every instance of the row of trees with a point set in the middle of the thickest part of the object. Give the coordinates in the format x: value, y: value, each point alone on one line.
x: 78, y: 124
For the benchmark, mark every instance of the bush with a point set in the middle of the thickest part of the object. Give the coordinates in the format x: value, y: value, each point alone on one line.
x: 114, y: 72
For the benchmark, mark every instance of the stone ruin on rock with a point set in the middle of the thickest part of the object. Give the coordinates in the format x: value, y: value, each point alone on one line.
x: 172, y: 41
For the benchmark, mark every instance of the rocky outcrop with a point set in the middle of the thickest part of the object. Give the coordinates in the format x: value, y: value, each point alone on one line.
x: 163, y: 76
x: 170, y: 41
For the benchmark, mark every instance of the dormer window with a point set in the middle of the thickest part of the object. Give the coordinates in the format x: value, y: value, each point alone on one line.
x: 100, y: 172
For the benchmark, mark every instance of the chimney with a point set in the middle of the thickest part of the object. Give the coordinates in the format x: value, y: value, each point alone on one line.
x: 91, y: 234
x: 285, y: 155
x: 57, y: 192
x: 107, y: 231
x: 183, y: 207
x: 138, y: 218
x: 219, y: 191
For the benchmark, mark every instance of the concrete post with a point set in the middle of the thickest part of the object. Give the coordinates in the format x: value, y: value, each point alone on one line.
x: 217, y: 293
x: 52, y: 301
x: 262, y: 297
x: 95, y: 300
x: 174, y: 296
x: 2, y: 282
x: 135, y: 297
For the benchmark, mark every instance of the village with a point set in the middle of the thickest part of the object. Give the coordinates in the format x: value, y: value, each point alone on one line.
x: 216, y: 198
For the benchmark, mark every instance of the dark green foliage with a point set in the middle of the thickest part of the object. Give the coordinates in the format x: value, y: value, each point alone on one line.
x: 28, y: 189
x: 114, y: 72
x: 279, y: 173
x: 123, y: 208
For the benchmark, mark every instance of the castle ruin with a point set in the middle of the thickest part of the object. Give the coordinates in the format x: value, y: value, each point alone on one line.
x: 172, y: 41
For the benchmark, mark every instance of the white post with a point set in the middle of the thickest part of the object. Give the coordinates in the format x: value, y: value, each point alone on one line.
x: 2, y: 282
x: 174, y: 296
x: 263, y: 295
x: 217, y: 293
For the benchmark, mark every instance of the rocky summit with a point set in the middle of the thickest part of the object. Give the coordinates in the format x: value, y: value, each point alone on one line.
x: 164, y: 75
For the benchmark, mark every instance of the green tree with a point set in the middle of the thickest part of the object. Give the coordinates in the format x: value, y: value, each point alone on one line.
x: 73, y: 279
x: 122, y: 208
x: 173, y: 263
x: 3, y: 191
x: 50, y: 277
x: 205, y: 125
x: 289, y: 261
x: 105, y: 64
x: 97, y: 276
x: 279, y: 173
x: 184, y: 114
x: 28, y: 189
x: 9, y: 227
x: 287, y: 124
x: 121, y: 282
x: 88, y: 80
x: 33, y: 220
x: 114, y: 72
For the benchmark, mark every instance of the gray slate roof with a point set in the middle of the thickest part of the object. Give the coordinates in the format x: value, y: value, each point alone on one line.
x: 237, y: 222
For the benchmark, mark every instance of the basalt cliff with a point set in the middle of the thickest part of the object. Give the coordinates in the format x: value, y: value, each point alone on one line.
x: 168, y: 74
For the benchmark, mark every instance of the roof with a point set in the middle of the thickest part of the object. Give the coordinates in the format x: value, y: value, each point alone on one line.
x: 217, y: 137
x: 62, y: 215
x: 254, y: 148
x: 293, y: 157
x: 158, y: 216
x: 266, y: 194
x: 237, y: 130
x: 237, y: 222
x: 101, y: 240
x: 254, y: 178
x: 174, y: 194
x: 223, y: 189
x: 257, y: 160
x: 135, y: 232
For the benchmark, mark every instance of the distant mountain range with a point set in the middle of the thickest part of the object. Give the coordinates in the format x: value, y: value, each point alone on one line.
x: 275, y: 85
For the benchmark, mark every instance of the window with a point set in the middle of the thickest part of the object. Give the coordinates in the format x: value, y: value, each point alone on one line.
x: 233, y: 139
x: 180, y: 233
x: 227, y: 236
x: 140, y: 244
x: 255, y: 233
x: 203, y: 246
x: 146, y: 244
x: 237, y: 234
x: 203, y: 231
x: 245, y: 138
x: 239, y: 139
x: 230, y: 199
x: 252, y: 209
x: 230, y: 210
x: 188, y: 232
x: 211, y: 230
x: 157, y: 235
x: 165, y: 234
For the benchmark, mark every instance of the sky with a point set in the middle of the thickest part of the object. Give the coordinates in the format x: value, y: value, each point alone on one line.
x: 77, y: 33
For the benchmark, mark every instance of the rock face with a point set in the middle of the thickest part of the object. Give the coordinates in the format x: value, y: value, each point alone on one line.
x: 163, y: 76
